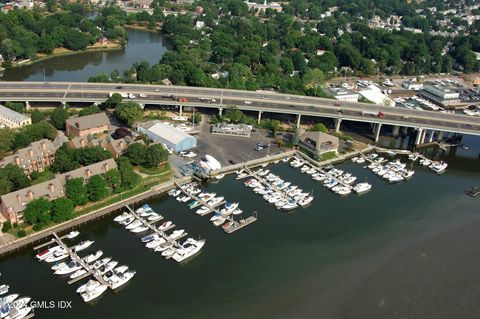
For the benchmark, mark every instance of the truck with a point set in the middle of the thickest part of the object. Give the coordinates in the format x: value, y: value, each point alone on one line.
x: 207, y: 100
x: 182, y: 99
x: 374, y: 113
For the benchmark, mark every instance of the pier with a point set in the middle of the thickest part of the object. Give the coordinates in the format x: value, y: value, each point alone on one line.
x: 240, y: 224
x: 201, y: 201
x: 267, y: 183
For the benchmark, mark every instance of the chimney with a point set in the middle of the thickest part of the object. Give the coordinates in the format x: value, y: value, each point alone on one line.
x: 17, y: 160
x: 30, y: 194
x: 122, y: 145
x: 88, y: 172
x: 82, y: 142
x: 51, y: 187
x: 19, y: 198
x: 106, y: 166
x: 44, y: 146
x: 30, y: 152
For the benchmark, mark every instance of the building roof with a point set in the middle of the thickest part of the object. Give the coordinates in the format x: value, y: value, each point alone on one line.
x: 442, y: 91
x: 89, y: 121
x: 84, y: 141
x: 12, y: 114
x: 17, y: 201
x: 169, y: 133
x: 318, y: 140
x: 33, y: 152
x: 339, y: 91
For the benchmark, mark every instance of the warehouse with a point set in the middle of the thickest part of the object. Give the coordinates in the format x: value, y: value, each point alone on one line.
x: 175, y: 139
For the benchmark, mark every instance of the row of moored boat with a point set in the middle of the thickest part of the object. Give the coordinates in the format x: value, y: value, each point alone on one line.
x: 12, y: 306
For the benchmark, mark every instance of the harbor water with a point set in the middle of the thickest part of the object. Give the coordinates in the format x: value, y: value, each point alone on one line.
x: 317, y: 262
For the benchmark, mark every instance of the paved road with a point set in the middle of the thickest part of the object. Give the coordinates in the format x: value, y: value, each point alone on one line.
x: 244, y: 100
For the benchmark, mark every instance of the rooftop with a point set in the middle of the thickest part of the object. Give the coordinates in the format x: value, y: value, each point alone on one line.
x: 340, y: 91
x: 168, y: 132
x: 34, y: 152
x: 12, y: 114
x: 89, y: 121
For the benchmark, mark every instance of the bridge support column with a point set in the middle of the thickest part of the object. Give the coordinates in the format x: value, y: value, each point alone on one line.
x: 404, y: 130
x: 64, y: 104
x: 338, y: 122
x: 430, y: 138
x: 180, y: 109
x: 418, y: 138
x: 377, y: 132
x: 220, y: 111
x: 259, y: 117
x: 299, y: 118
x: 439, y: 136
x: 396, y: 130
x: 27, y: 105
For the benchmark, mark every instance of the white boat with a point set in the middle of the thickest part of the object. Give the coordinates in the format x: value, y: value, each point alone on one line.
x: 78, y: 273
x: 285, y: 159
x: 188, y: 249
x: 350, y: 180
x: 91, y: 284
x: 217, y: 222
x: 177, y: 234
x: 355, y: 159
x: 92, y: 257
x: 106, y: 268
x: 128, y: 221
x: 58, y: 266
x: 362, y: 188
x: 83, y: 245
x: 305, y: 201
x: 408, y: 174
x: 155, y: 243
x: 215, y: 201
x: 413, y: 157
x: 344, y: 191
x: 219, y: 176
x: 154, y: 218
x: 57, y: 256
x: 165, y: 225
x: 425, y: 162
x: 9, y: 299
x: 73, y: 234
x: 161, y: 248
x: 202, y: 210
x: 395, y: 178
x: 133, y: 225
x: 101, y: 262
x: 91, y: 294
x: 118, y: 270
x: 4, y: 289
x: 19, y: 313
x: 44, y: 254
x: 139, y: 229
x: 68, y: 268
x: 122, y: 217
x: 169, y: 252
x: 229, y: 208
x: 439, y: 167
x: 237, y: 211
x: 290, y: 205
x: 119, y: 279
x: 360, y: 160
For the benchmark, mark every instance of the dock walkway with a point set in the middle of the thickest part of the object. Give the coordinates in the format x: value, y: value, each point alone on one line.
x: 201, y: 201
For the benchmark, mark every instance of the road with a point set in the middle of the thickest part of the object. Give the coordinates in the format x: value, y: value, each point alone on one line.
x: 244, y: 100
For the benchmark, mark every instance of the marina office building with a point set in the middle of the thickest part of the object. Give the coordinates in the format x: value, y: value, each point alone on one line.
x: 12, y: 119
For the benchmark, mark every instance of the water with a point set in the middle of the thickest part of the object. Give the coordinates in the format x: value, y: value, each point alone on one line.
x: 142, y: 46
x: 307, y: 264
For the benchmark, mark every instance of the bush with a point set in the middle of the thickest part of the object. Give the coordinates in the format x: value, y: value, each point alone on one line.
x: 6, y: 227
x: 21, y: 233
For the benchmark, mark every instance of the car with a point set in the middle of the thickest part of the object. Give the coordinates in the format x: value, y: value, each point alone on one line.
x: 292, y: 106
x: 381, y: 115
x: 131, y: 96
x: 232, y: 162
x: 142, y: 95
x: 248, y: 102
x: 259, y: 148
x: 168, y: 96
x: 340, y: 111
x: 406, y: 116
x: 157, y: 90
x: 336, y: 103
x: 119, y: 87
x: 183, y: 99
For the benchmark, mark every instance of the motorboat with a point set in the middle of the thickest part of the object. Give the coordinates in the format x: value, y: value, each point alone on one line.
x: 438, y: 167
x: 169, y: 252
x: 69, y: 268
x: 311, y: 171
x: 101, y: 262
x: 408, y: 174
x: 133, y: 225
x: 229, y: 208
x: 355, y: 159
x: 237, y: 211
x: 228, y: 224
x: 18, y: 313
x: 58, y: 266
x: 92, y: 257
x: 117, y: 270
x: 83, y: 245
x: 344, y: 191
x: 144, y: 209
x: 285, y: 159
x: 219, y: 221
x: 78, y: 273
x: 119, y: 279
x: 395, y: 178
x: 165, y: 225
x: 413, y: 156
x: 8, y: 299
x: 106, y: 268
x: 91, y: 284
x: 47, y: 252
x: 155, y: 243
x: 425, y: 162
x: 154, y: 218
x: 194, y: 204
x: 305, y: 201
x: 72, y: 234
x: 360, y: 160
x: 349, y: 180
x: 91, y: 294
x: 162, y: 247
x: 202, y: 210
x: 177, y: 234
x: 128, y: 221
x: 122, y: 217
x: 57, y: 256
x: 188, y: 249
x: 362, y: 188
x: 4, y: 289
x: 175, y: 192
x: 149, y: 238
x: 139, y: 229
x: 291, y: 204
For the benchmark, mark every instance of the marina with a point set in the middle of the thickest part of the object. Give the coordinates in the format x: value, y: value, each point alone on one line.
x: 13, y: 306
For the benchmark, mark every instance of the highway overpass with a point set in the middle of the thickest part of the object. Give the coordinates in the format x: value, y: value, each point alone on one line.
x: 261, y: 102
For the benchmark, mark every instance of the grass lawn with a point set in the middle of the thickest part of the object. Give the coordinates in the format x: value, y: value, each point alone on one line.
x: 154, y: 170
x: 44, y: 176
x: 327, y: 156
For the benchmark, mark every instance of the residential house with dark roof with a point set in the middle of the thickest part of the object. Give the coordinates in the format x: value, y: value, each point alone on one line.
x: 87, y: 125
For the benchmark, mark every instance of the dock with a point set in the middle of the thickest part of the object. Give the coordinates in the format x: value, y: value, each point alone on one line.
x: 473, y: 191
x: 201, y: 201
x: 240, y: 224
x: 267, y: 183
x: 52, y: 241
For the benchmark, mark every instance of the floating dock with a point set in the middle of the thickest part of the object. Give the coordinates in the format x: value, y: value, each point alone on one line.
x: 473, y: 191
x: 236, y: 225
x: 201, y: 201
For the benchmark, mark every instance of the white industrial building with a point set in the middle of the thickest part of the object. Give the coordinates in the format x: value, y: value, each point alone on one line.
x: 375, y: 95
x: 343, y: 94
x: 12, y: 119
x: 440, y: 94
x: 174, y: 138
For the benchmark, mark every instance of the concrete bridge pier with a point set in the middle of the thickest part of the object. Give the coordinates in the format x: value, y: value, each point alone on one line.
x: 430, y: 138
x: 377, y: 132
x: 180, y: 110
x: 439, y: 136
x: 418, y: 138
x: 220, y: 111
x: 259, y: 117
x: 404, y: 130
x: 338, y: 122
x: 64, y: 104
x: 396, y: 130
x: 27, y: 105
x: 299, y: 118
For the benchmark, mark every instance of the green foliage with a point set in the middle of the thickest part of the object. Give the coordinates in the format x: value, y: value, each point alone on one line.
x: 58, y: 117
x: 6, y: 226
x: 12, y: 178
x: 76, y: 191
x: 37, y: 212
x: 64, y: 161
x: 89, y: 110
x: 114, y: 180
x: 16, y: 106
x: 129, y: 112
x: 97, y: 188
x: 129, y: 178
x: 148, y: 156
x: 7, y: 138
x: 21, y: 233
x: 320, y: 127
x: 32, y: 133
x: 63, y: 209
x: 136, y: 153
x: 37, y: 116
x: 68, y: 159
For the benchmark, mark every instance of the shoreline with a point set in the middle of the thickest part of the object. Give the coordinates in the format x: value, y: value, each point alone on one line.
x: 141, y: 28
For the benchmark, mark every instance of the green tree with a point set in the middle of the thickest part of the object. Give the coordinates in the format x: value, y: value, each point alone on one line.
x: 38, y: 212
x: 156, y: 154
x: 75, y: 190
x: 313, y: 79
x: 129, y: 178
x: 63, y: 209
x: 114, y: 180
x: 7, y: 138
x: 58, y: 117
x: 320, y: 127
x: 37, y: 116
x: 97, y: 188
x: 64, y: 162
x: 15, y: 175
x: 137, y: 153
x: 129, y: 112
x: 89, y: 110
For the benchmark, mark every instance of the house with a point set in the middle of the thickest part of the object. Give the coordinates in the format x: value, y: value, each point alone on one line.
x: 343, y: 94
x: 87, y: 125
x: 118, y: 147
x: 36, y: 157
x: 173, y: 138
x: 318, y: 142
x: 13, y: 204
x: 263, y: 7
x: 13, y: 119
x: 115, y: 147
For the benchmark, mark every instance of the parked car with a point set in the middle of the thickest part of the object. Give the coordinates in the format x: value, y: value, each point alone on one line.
x: 182, y: 99
x: 381, y: 115
x: 336, y: 103
x: 142, y: 95
x: 248, y: 102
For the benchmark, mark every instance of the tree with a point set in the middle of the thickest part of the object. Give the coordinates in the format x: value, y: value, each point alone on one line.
x: 319, y: 127
x: 63, y: 209
x: 90, y: 155
x: 37, y: 116
x: 15, y: 175
x: 64, y: 162
x: 7, y: 138
x: 114, y: 180
x: 75, y: 190
x: 129, y: 112
x: 16, y: 106
x: 313, y: 79
x: 113, y: 101
x: 89, y: 110
x: 58, y: 117
x: 129, y: 178
x: 97, y: 188
x: 156, y: 154
x: 137, y: 153
x: 38, y: 212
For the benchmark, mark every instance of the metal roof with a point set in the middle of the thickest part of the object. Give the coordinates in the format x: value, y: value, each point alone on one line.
x: 169, y: 133
x: 12, y: 114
